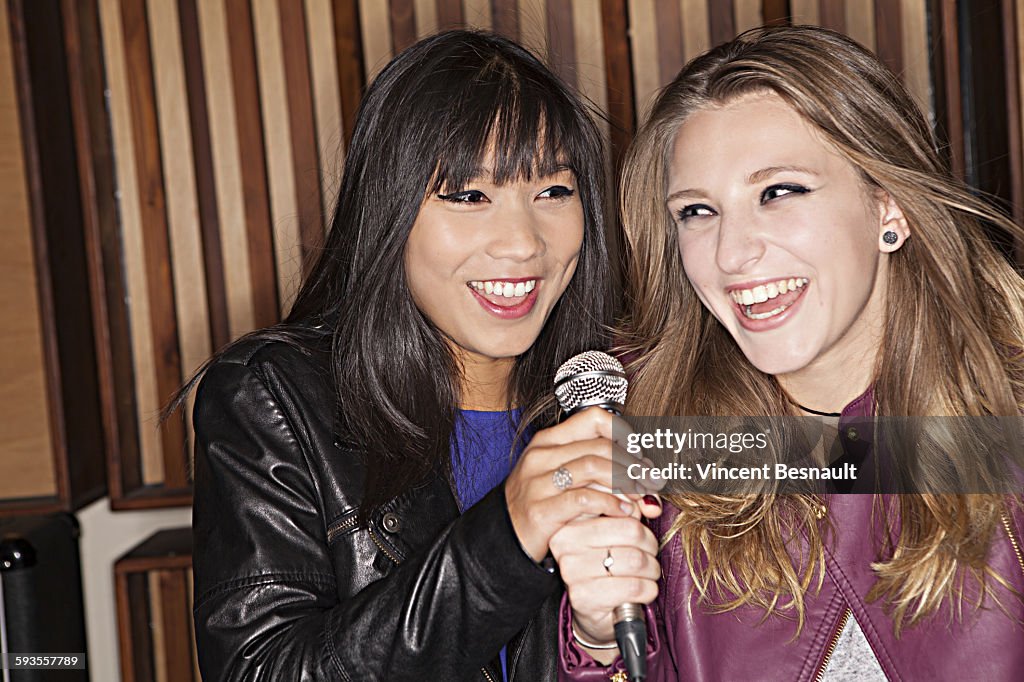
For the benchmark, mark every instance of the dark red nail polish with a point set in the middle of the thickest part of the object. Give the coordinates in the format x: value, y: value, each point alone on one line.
x: 652, y: 500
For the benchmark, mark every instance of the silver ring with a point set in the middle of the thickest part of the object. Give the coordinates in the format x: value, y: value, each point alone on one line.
x: 562, y: 478
x: 608, y: 562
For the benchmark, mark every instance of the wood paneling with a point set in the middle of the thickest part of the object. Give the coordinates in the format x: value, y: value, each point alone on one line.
x: 52, y: 433
x: 25, y: 470
x: 153, y: 585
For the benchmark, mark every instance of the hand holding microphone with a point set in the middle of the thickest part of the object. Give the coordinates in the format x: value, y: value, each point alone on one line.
x: 597, y: 379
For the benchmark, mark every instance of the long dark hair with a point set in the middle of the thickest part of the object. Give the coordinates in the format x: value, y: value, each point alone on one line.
x: 426, y: 123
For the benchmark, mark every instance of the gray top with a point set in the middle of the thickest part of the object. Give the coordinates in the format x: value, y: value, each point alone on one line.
x: 853, y: 660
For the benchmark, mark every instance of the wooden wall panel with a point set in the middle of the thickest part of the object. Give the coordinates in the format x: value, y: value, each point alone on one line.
x: 25, y: 438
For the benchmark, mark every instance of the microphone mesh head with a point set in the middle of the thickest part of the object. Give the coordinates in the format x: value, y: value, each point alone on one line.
x: 590, y: 378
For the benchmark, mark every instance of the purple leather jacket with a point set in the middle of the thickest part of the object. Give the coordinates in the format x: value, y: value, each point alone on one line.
x: 696, y: 645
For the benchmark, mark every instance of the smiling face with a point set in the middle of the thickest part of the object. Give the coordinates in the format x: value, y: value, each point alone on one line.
x: 486, y: 263
x: 781, y: 238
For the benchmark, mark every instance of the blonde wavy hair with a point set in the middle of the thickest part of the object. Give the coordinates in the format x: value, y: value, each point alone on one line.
x: 954, y: 329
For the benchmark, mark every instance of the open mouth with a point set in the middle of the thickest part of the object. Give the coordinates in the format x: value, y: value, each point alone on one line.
x: 766, y: 301
x: 506, y: 298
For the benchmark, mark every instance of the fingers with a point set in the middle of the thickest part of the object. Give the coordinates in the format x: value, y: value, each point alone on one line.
x: 602, y: 595
x: 601, y: 533
x: 592, y: 422
x: 595, y: 564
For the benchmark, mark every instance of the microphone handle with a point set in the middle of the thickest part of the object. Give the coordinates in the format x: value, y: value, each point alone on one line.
x: 630, y: 621
x: 631, y: 635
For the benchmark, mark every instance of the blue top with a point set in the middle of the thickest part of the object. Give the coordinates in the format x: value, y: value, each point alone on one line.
x: 482, y: 458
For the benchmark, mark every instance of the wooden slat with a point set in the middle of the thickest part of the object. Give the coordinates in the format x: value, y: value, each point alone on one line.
x: 590, y: 51
x: 1015, y: 150
x: 374, y: 20
x: 561, y: 40
x: 618, y: 66
x: 888, y: 26
x: 747, y: 14
x: 646, y: 79
x: 722, y: 21
x: 94, y: 149
x: 403, y: 23
x: 26, y: 469
x: 477, y: 13
x: 426, y: 17
x: 179, y: 171
x: 669, y: 35
x: 860, y: 22
x: 805, y: 11
x: 191, y: 588
x: 348, y: 42
x: 213, y: 31
x: 299, y: 96
x: 946, y: 27
x: 533, y: 26
x: 326, y: 103
x: 175, y: 617
x: 775, y: 12
x: 133, y: 626
x: 505, y: 17
x: 154, y: 223
x: 255, y: 193
x: 696, y: 28
x: 127, y: 245
x: 1019, y: 209
x: 206, y: 189
x: 914, y: 38
x: 449, y: 14
x: 284, y: 208
x: 157, y: 632
x: 832, y: 14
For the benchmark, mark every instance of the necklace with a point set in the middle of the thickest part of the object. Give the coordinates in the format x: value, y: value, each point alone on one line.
x: 818, y: 412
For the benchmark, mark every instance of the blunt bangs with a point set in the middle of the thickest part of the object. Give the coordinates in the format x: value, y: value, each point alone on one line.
x: 510, y: 126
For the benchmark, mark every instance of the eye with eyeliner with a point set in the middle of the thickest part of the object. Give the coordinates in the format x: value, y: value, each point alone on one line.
x: 557, y: 192
x: 693, y: 211
x: 779, y: 190
x: 468, y: 196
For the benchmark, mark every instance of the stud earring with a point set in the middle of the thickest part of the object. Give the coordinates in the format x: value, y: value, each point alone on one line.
x: 890, y: 237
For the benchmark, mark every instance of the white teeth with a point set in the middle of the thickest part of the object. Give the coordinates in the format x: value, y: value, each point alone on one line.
x: 504, y: 289
x: 766, y: 292
x: 765, y: 316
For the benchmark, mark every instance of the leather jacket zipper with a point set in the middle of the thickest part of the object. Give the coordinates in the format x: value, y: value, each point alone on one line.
x: 389, y: 555
x: 832, y: 644
x: 1013, y: 540
x: 341, y: 526
x: 381, y: 547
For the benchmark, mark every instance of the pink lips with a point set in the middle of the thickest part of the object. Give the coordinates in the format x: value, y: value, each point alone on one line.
x: 510, y: 312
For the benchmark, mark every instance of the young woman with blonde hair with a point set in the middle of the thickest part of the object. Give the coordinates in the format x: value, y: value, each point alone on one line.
x: 799, y: 248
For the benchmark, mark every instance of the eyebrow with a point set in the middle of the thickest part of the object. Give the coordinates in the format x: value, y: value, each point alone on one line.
x: 752, y: 179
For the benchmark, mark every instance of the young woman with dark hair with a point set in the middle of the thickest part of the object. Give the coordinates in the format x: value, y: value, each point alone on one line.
x: 353, y: 519
x: 799, y: 248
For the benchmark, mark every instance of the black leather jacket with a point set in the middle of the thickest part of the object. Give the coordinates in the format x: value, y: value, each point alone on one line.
x: 289, y: 587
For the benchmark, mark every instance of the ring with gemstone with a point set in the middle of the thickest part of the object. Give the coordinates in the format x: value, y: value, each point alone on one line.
x: 608, y: 563
x: 562, y: 478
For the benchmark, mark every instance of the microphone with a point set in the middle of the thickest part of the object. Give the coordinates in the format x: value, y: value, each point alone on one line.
x: 597, y: 379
